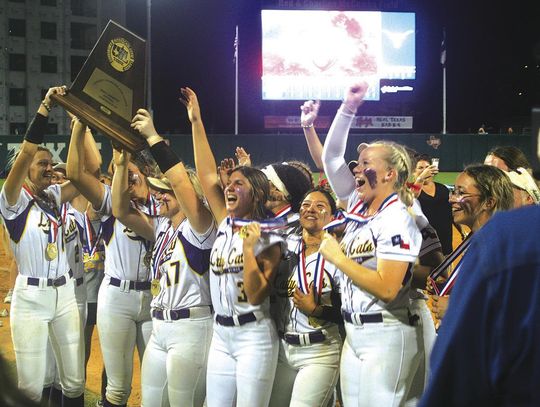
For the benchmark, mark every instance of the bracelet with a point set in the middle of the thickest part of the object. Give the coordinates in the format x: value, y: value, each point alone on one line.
x: 46, y: 106
x: 309, y: 126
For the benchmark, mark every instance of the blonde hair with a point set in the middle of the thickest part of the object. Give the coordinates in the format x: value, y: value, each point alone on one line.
x: 196, y: 183
x: 398, y: 159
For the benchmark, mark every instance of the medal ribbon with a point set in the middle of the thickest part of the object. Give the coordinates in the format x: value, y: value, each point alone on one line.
x: 447, y: 262
x: 92, y: 240
x: 53, y: 219
x: 283, y: 212
x: 266, y: 225
x: 162, y: 245
x: 318, y: 276
x: 355, y: 214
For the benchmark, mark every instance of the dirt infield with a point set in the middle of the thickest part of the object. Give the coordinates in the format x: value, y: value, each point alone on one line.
x: 95, y: 365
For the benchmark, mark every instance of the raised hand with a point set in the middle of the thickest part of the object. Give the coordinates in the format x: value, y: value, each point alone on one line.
x: 428, y: 172
x: 243, y: 157
x: 56, y: 90
x: 143, y: 123
x: 224, y: 168
x: 310, y: 111
x: 190, y: 101
x: 354, y: 96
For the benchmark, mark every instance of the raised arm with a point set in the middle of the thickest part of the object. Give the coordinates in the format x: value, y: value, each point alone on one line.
x: 134, y: 219
x: 310, y: 110
x: 29, y: 147
x: 333, y: 156
x: 88, y: 185
x: 205, y: 163
x: 169, y: 163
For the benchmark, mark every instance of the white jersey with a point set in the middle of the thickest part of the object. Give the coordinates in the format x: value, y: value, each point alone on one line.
x: 290, y: 319
x: 180, y: 259
x: 227, y: 271
x: 73, y: 221
x: 125, y: 251
x: 389, y: 234
x: 32, y: 224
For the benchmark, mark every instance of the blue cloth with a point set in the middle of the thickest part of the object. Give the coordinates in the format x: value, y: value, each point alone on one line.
x: 488, y: 349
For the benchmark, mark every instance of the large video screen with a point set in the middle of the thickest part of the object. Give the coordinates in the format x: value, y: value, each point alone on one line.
x: 315, y: 54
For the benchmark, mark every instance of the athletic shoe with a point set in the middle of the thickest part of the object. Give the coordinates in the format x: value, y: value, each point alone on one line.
x: 4, y: 313
x: 9, y: 294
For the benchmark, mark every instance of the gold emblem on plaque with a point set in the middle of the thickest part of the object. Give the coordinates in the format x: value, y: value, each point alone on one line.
x: 51, y: 251
x: 154, y: 287
x: 120, y: 54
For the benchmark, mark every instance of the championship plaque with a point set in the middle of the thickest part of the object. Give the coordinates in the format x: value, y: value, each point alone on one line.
x: 111, y: 86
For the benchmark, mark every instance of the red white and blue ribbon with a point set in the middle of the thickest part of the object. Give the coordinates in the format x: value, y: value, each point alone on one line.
x: 92, y: 239
x: 54, y: 221
x: 160, y: 249
x: 356, y: 213
x: 301, y: 270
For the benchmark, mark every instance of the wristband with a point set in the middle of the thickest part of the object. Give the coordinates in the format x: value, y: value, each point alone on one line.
x: 37, y: 129
x: 164, y: 155
x: 46, y: 106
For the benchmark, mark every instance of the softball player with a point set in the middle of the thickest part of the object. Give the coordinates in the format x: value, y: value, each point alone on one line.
x: 243, y: 353
x: 308, y: 309
x: 44, y: 305
x: 123, y: 314
x: 174, y: 364
x: 379, y: 247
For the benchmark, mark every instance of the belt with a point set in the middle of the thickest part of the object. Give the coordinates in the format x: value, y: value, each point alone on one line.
x: 304, y: 339
x: 176, y: 314
x: 54, y: 282
x: 237, y: 320
x: 360, y: 319
x: 79, y: 281
x: 132, y: 285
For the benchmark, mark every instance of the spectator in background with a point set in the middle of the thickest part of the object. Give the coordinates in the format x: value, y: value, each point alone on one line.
x: 510, y: 131
x: 433, y: 198
x: 507, y: 158
x: 482, y: 129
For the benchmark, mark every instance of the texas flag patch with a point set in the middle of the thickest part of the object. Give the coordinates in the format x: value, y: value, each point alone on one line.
x: 398, y: 241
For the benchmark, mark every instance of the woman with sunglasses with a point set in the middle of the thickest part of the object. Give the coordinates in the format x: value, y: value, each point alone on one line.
x: 480, y: 191
x: 376, y: 255
x: 308, y: 311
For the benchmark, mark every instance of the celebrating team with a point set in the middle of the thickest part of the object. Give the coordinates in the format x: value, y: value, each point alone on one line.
x: 233, y: 281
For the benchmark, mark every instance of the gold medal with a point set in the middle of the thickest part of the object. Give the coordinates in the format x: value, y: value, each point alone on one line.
x: 154, y: 287
x: 51, y: 252
x: 314, y: 322
x: 243, y: 233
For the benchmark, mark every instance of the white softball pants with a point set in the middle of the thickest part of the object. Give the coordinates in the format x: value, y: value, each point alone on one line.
x: 51, y: 371
x: 242, y: 363
x: 378, y: 362
x: 37, y: 315
x: 427, y: 335
x: 306, y: 376
x: 123, y: 321
x: 174, y: 363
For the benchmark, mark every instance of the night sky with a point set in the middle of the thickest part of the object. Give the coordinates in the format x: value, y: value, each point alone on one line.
x: 488, y: 46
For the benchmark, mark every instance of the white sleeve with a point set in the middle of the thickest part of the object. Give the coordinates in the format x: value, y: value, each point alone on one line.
x: 55, y: 192
x: 333, y: 156
x: 11, y: 212
x: 105, y: 210
x: 399, y: 238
